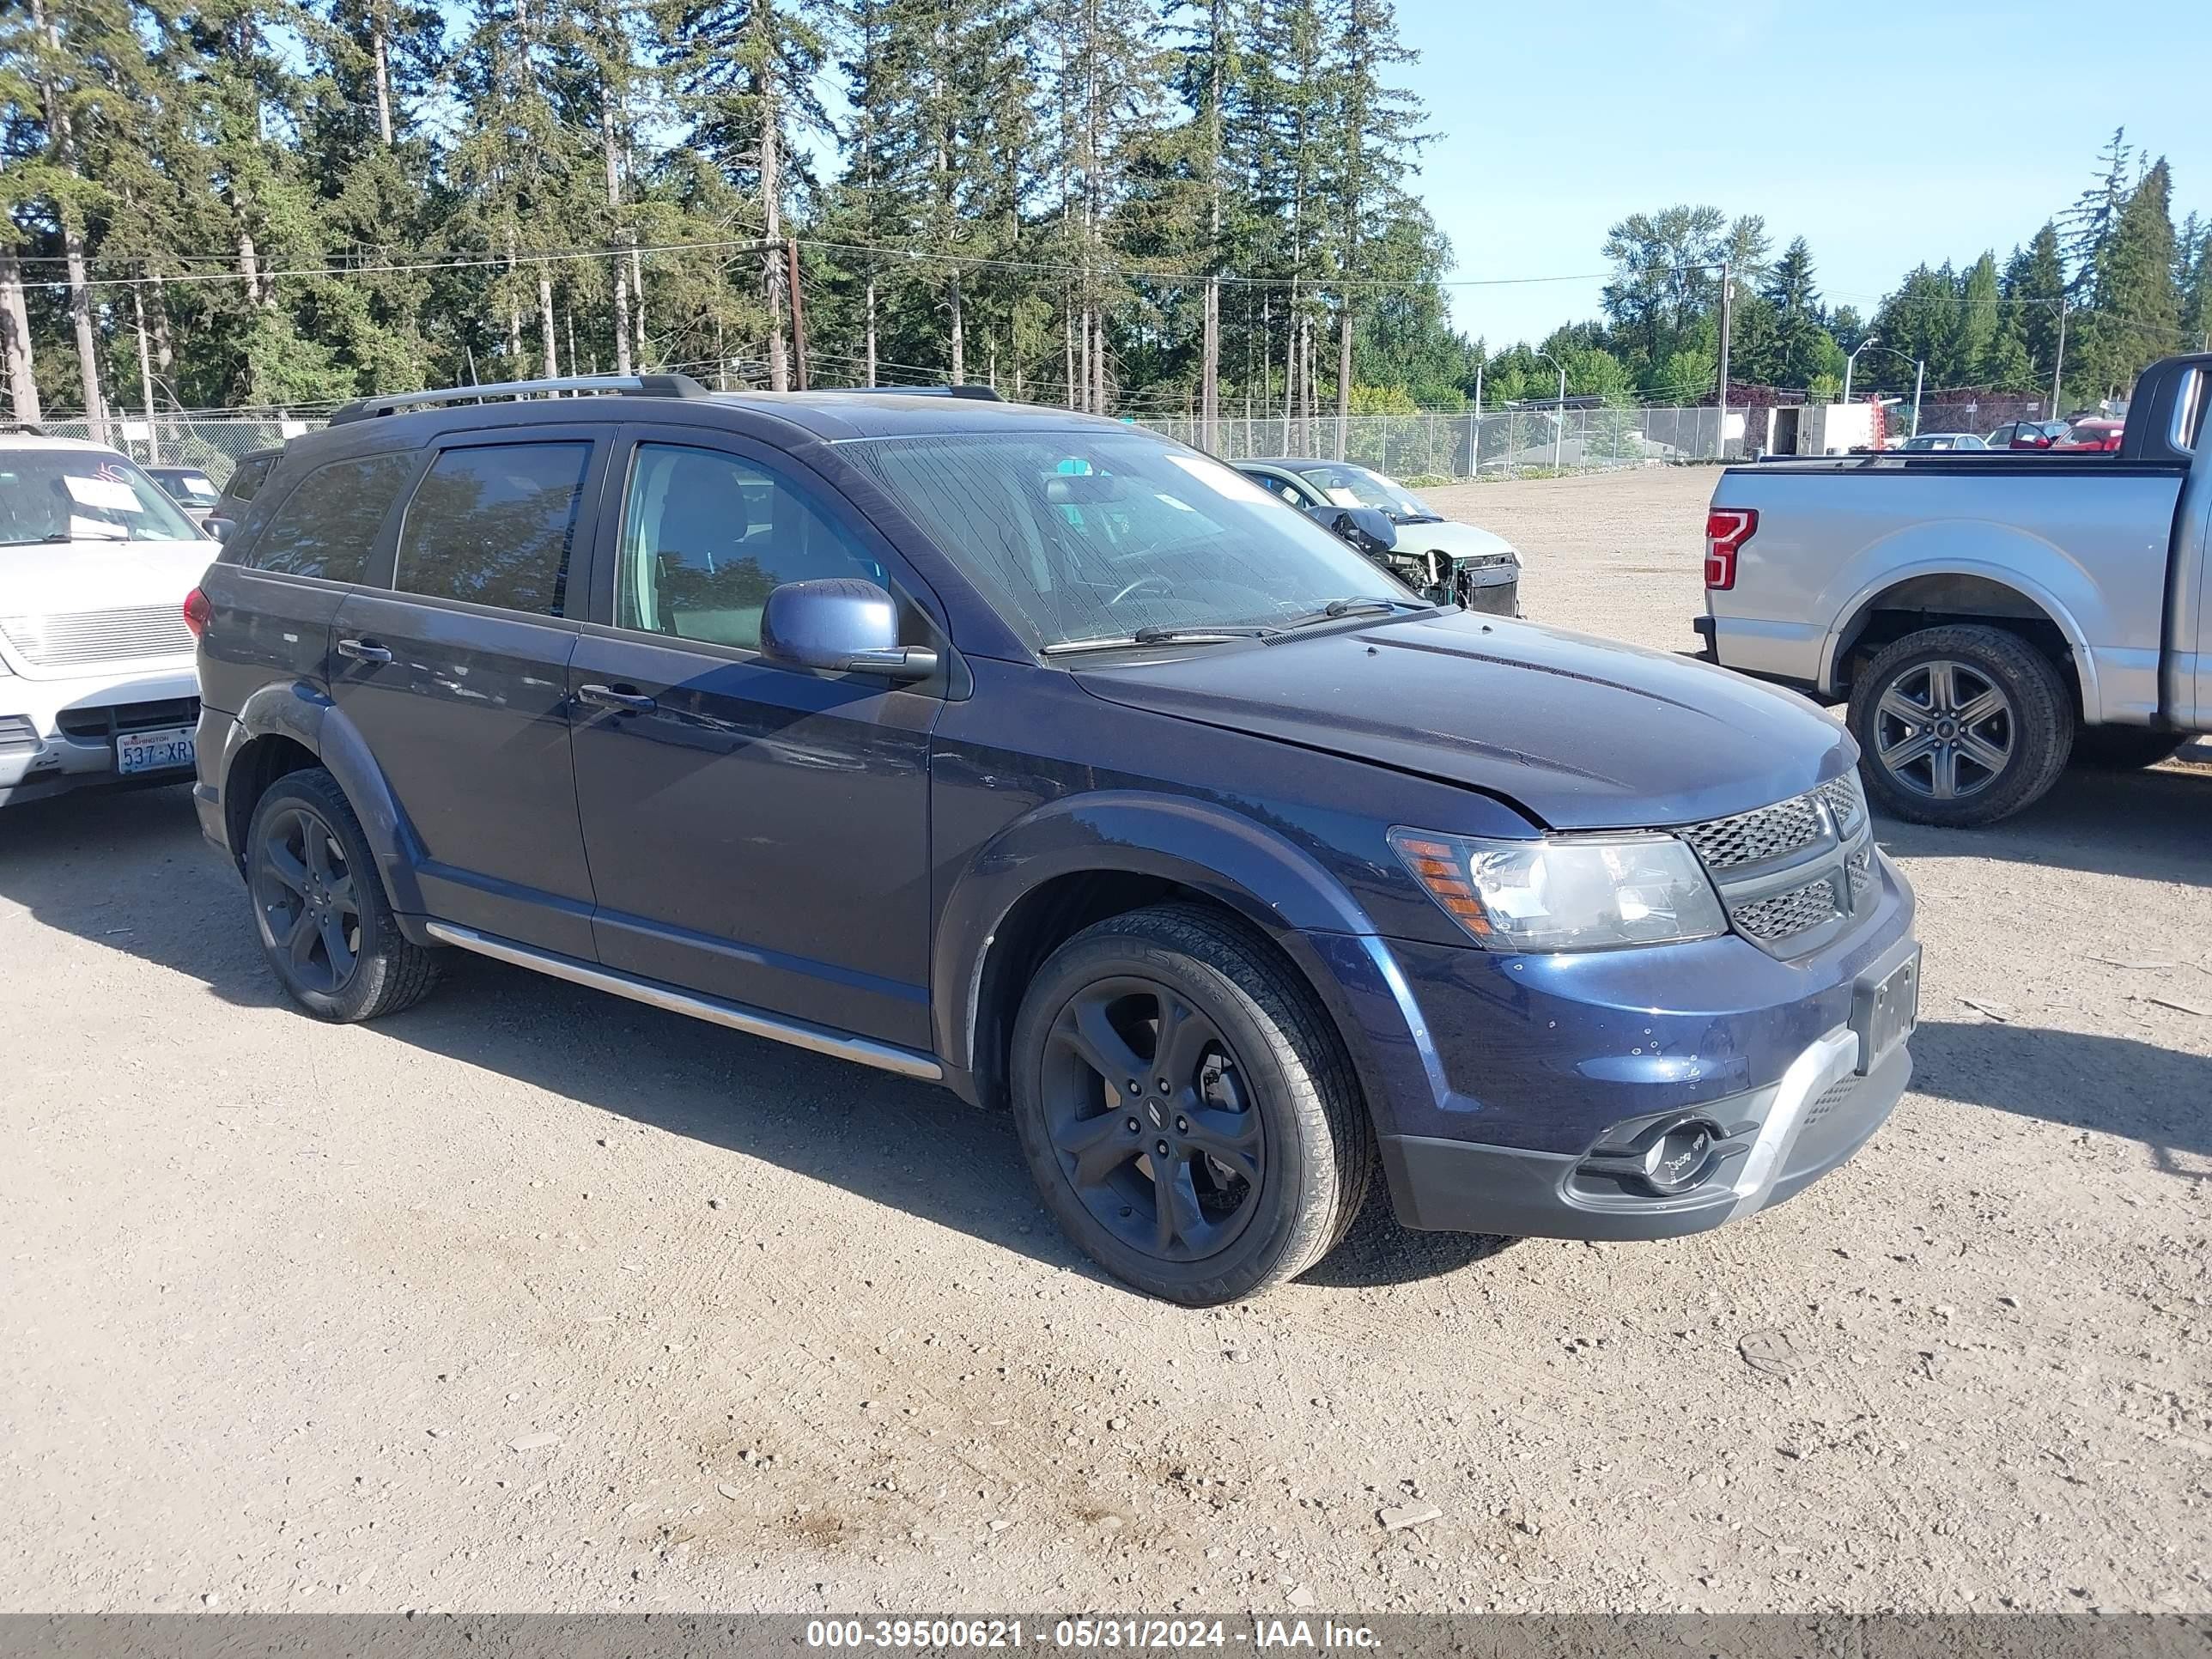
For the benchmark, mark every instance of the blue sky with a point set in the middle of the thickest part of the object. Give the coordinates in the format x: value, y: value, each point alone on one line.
x: 1884, y: 136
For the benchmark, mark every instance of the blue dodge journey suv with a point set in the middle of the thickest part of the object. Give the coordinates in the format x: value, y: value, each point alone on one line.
x: 1041, y: 756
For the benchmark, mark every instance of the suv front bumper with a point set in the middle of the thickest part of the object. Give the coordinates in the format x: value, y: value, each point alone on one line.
x: 1782, y: 1139
x: 60, y: 735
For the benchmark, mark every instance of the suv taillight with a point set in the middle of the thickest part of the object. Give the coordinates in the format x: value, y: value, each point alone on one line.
x: 1727, y: 528
x: 196, y: 612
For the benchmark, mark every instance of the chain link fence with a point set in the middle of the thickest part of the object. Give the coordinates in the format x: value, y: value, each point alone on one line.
x: 1505, y: 443
x: 215, y: 444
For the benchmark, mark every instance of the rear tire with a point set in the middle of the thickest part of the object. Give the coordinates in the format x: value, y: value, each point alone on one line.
x: 1250, y: 1130
x: 2124, y: 748
x: 1960, y: 726
x: 320, y: 908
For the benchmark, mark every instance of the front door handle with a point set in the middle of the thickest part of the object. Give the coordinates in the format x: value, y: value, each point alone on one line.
x: 363, y: 651
x: 606, y: 697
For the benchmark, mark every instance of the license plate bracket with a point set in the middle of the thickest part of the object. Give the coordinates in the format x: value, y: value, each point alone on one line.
x: 167, y: 749
x: 1885, y: 1010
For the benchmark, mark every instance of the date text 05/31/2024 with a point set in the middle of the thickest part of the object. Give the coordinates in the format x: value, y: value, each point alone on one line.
x: 1083, y: 1634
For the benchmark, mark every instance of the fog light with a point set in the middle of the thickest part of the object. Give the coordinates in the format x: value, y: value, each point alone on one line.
x: 1681, y: 1158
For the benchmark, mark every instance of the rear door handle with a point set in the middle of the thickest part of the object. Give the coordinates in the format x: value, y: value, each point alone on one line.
x: 363, y: 651
x: 606, y: 697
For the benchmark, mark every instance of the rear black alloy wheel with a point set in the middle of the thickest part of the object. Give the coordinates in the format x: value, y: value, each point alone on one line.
x: 304, y: 895
x: 1151, y: 1118
x: 1186, y: 1105
x: 320, y: 906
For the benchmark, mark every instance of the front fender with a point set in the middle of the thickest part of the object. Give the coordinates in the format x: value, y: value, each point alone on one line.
x: 2040, y: 572
x: 1234, y: 860
x: 299, y: 712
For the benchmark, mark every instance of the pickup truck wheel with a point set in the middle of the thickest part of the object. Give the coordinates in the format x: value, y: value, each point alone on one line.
x: 1185, y: 1108
x: 320, y: 908
x: 2124, y: 748
x: 1960, y: 726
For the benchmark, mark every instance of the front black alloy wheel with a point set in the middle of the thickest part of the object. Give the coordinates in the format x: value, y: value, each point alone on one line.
x: 1186, y: 1106
x: 1152, y: 1117
x: 320, y: 906
x: 305, y: 896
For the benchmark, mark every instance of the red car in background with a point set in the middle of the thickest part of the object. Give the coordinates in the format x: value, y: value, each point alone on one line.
x: 2095, y: 435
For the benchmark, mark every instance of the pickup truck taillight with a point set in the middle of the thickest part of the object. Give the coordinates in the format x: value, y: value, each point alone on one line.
x: 1727, y: 528
x: 196, y: 612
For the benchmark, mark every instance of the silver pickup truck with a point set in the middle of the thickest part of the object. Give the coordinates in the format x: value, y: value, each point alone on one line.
x: 1989, y: 616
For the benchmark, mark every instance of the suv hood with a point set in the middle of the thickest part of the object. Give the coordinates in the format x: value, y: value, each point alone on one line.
x: 50, y: 579
x: 1449, y: 536
x: 1579, y: 733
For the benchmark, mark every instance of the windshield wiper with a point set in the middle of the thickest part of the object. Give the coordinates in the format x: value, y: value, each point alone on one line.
x: 1359, y: 605
x: 1157, y: 636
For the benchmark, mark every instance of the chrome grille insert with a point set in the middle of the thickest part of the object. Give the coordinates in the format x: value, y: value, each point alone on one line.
x: 1770, y: 920
x: 1792, y: 874
x: 66, y: 638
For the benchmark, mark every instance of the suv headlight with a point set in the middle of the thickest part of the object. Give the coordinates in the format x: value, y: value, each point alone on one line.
x: 1565, y: 892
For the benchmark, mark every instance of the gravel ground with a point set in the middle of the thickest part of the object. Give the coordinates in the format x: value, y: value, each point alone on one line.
x: 534, y: 1299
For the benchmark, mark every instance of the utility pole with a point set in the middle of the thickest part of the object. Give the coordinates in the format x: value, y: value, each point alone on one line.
x: 798, y: 315
x: 145, y: 377
x: 1728, y: 319
x: 1919, y: 377
x: 1559, y: 419
x: 2058, y: 369
x: 1474, y: 429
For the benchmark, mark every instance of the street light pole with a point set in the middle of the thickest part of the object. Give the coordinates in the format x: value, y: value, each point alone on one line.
x: 1852, y: 362
x: 1919, y: 377
x: 1558, y: 420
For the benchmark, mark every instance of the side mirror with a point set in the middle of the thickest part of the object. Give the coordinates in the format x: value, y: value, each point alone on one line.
x: 841, y: 625
x: 1367, y: 528
x: 218, y: 528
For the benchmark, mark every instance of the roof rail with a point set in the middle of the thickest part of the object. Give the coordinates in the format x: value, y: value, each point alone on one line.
x: 982, y: 394
x: 628, y: 385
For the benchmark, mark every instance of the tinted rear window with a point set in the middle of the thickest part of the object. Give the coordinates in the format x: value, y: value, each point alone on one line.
x: 493, y: 525
x: 327, y: 525
x: 246, y: 480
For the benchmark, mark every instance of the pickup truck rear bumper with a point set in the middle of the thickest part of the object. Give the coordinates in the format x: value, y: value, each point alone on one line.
x: 1706, y: 652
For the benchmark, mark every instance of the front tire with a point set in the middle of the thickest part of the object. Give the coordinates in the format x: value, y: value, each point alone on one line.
x: 1187, y: 1109
x: 1960, y: 726
x: 320, y: 908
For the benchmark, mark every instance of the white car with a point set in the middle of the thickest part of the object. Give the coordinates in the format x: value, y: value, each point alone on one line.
x: 1438, y: 557
x: 97, y: 683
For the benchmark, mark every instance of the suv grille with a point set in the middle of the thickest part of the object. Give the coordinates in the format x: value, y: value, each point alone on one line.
x: 110, y: 720
x: 1792, y: 875
x: 70, y: 637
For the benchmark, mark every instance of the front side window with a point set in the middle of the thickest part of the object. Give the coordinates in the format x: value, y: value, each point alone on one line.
x: 63, y: 495
x: 707, y: 535
x: 493, y: 525
x: 1082, y: 535
x: 328, y: 525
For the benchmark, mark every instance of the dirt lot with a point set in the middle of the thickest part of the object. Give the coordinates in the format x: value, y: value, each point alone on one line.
x: 290, y: 1315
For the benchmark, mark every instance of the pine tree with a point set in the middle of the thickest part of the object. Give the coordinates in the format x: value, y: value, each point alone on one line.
x: 2094, y: 217
x: 1377, y: 133
x: 2139, y: 311
x: 2034, y: 296
x: 1967, y: 355
x: 2197, y: 292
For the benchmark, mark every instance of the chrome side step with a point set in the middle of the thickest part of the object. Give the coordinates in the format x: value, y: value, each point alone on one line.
x: 883, y: 1056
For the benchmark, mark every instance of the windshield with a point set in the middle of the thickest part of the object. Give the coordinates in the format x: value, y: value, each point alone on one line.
x: 83, y: 495
x: 1355, y: 486
x: 193, y: 489
x: 1080, y: 535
